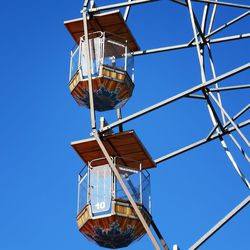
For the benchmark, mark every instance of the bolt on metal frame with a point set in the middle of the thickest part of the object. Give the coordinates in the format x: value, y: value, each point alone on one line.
x: 220, y: 125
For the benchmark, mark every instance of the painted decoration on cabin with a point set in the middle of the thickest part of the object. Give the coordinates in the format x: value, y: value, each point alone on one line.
x: 115, y: 236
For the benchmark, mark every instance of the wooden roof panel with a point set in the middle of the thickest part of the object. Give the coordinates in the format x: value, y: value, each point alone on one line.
x: 125, y: 144
x: 111, y: 22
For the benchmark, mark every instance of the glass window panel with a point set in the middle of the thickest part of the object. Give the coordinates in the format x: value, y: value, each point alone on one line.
x: 132, y: 181
x: 146, y: 191
x: 74, y: 61
x: 82, y: 189
x: 100, y: 189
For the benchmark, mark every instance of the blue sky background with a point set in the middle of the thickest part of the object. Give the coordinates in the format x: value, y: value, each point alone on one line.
x: 39, y: 119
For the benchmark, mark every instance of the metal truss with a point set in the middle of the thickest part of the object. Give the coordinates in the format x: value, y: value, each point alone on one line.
x: 208, y: 91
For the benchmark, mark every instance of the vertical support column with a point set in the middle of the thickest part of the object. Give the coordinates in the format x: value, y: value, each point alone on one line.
x: 88, y: 65
x: 175, y: 247
x: 119, y: 116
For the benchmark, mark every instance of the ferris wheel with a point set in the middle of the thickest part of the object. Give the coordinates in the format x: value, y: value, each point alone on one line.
x: 114, y: 199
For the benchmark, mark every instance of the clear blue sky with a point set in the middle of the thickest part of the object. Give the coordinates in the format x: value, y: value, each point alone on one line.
x: 39, y: 119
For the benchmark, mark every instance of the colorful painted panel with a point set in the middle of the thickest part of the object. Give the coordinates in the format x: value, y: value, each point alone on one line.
x: 111, y: 91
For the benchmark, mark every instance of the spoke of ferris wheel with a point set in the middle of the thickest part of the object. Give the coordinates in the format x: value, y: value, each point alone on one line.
x: 86, y: 3
x: 186, y: 45
x: 204, y: 18
x: 235, y: 165
x: 120, y: 5
x: 224, y: 3
x: 212, y: 112
x: 230, y: 38
x: 241, y: 112
x: 199, y: 143
x: 220, y: 28
x: 212, y: 64
x: 216, y: 84
x: 212, y: 131
x: 246, y: 86
x: 223, y: 116
x: 239, y: 147
x: 232, y: 137
x: 224, y: 26
x: 211, y: 23
x: 230, y: 120
x: 196, y: 96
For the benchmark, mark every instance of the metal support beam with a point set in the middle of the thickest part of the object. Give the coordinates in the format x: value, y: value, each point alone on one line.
x: 214, y: 117
x: 211, y: 23
x: 212, y: 131
x: 126, y: 13
x: 226, y: 25
x: 178, y: 96
x: 229, y: 38
x: 120, y: 5
x: 239, y: 147
x: 232, y: 137
x: 125, y: 189
x: 198, y: 143
x: 187, y: 45
x: 196, y: 97
x: 241, y: 112
x: 221, y: 223
x: 163, y: 242
x: 162, y: 49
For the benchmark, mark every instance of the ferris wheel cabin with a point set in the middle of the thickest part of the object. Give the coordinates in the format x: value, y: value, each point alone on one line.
x: 111, y: 61
x: 105, y: 214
